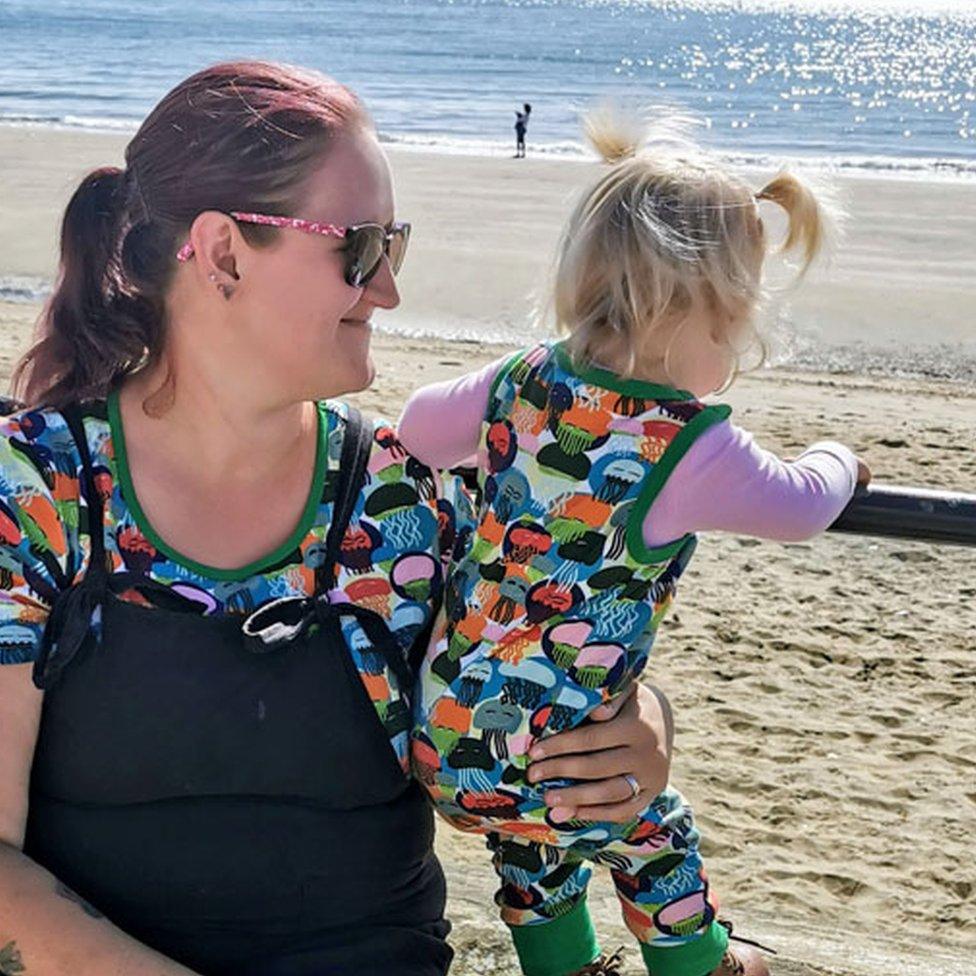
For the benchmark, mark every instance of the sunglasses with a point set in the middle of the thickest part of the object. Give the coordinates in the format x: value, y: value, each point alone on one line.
x: 366, y: 244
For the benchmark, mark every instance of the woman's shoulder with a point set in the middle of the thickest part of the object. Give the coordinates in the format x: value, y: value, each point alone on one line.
x: 390, y: 463
x: 39, y: 519
x: 38, y: 443
x: 37, y: 451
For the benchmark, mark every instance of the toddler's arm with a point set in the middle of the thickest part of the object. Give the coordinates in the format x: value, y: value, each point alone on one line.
x: 441, y: 423
x: 727, y: 482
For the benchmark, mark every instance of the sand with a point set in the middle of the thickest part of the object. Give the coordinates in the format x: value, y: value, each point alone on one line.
x: 825, y: 692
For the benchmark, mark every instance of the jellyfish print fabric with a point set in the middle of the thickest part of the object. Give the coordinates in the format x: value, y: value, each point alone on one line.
x: 550, y: 610
x: 390, y: 559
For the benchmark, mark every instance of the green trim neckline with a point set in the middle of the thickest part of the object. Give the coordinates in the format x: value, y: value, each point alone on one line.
x: 213, y: 572
x: 608, y: 380
x: 673, y: 453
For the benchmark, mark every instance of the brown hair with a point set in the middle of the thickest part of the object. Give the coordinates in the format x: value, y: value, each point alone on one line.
x: 235, y: 136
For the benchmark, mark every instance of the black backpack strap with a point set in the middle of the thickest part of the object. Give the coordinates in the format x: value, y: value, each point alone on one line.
x: 278, y: 624
x: 93, y: 501
x: 68, y: 624
x: 357, y: 442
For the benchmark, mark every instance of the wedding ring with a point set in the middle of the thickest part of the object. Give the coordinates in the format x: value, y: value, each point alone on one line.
x: 635, y: 787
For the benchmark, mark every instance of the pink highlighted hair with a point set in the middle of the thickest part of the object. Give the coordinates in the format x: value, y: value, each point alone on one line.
x: 236, y: 136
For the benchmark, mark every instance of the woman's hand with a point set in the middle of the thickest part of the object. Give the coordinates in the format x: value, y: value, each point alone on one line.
x: 632, y: 736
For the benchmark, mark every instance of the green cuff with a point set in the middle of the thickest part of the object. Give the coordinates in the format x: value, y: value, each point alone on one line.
x: 696, y: 958
x: 559, y: 947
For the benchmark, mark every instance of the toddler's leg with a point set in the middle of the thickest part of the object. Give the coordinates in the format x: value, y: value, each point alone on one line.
x: 663, y: 890
x: 543, y: 901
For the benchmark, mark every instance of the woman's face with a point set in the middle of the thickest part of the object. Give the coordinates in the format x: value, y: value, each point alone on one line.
x: 307, y: 329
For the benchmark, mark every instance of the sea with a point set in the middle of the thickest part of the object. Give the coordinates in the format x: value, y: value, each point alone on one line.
x: 864, y: 86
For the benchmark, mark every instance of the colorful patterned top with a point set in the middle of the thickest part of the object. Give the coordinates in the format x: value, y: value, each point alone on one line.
x: 391, y: 552
x: 554, y: 606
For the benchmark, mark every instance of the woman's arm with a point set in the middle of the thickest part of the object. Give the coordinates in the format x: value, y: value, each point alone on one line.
x: 632, y: 735
x: 441, y: 423
x: 45, y: 928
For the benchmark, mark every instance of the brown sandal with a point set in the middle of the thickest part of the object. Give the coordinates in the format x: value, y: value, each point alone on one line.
x: 744, y: 960
x: 604, y: 966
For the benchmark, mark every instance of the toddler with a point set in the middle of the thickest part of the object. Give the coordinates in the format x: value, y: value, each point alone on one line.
x: 598, y: 462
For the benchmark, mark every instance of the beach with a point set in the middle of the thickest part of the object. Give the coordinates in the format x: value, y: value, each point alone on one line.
x: 825, y: 692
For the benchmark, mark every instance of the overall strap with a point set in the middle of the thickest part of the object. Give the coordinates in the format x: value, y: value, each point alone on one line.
x: 357, y: 442
x: 93, y: 501
x: 69, y: 622
x: 278, y: 624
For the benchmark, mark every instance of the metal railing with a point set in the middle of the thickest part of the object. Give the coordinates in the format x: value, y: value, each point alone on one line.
x: 916, y: 514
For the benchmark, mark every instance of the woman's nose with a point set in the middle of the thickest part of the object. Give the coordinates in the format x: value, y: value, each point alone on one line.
x: 382, y: 290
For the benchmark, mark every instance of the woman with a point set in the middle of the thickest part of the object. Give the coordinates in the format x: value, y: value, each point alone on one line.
x: 217, y: 604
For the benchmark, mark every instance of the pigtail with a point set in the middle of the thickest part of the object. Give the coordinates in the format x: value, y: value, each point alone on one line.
x: 807, y: 217
x: 613, y: 135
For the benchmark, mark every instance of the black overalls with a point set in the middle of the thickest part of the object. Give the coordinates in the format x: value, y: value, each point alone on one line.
x: 232, y: 801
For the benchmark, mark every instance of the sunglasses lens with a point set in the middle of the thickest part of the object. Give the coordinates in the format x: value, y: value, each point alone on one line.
x: 364, y: 249
x: 398, y: 246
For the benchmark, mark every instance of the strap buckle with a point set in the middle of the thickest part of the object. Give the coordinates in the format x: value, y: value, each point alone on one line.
x: 278, y: 624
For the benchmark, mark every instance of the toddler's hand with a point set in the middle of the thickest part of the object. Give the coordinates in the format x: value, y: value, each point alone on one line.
x: 863, y: 472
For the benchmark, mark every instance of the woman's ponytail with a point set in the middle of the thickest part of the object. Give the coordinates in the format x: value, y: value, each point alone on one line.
x: 94, y: 324
x: 807, y: 219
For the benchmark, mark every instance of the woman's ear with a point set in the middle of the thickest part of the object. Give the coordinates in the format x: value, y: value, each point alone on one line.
x: 216, y: 241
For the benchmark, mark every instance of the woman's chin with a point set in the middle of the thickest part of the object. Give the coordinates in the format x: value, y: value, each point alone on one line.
x: 369, y: 374
x: 349, y: 363
x: 353, y: 379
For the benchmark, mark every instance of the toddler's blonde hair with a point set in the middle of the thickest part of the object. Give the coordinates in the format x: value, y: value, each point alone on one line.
x: 665, y: 231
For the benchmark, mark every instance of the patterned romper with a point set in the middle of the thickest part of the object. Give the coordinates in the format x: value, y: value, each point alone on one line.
x: 551, y: 610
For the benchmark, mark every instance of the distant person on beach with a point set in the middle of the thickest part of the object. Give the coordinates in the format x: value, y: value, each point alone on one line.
x: 217, y: 578
x: 521, y: 124
x: 599, y: 461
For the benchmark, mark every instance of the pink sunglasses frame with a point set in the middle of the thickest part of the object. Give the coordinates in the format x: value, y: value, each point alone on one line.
x: 295, y: 223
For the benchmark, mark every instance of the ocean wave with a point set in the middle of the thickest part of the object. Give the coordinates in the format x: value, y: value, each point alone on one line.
x: 445, y: 143
x: 926, y: 167
x: 951, y: 168
x: 463, y: 146
x: 91, y: 123
x: 941, y: 362
x: 24, y: 290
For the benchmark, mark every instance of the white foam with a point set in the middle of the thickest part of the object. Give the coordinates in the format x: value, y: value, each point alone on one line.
x: 948, y: 168
x: 24, y: 290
